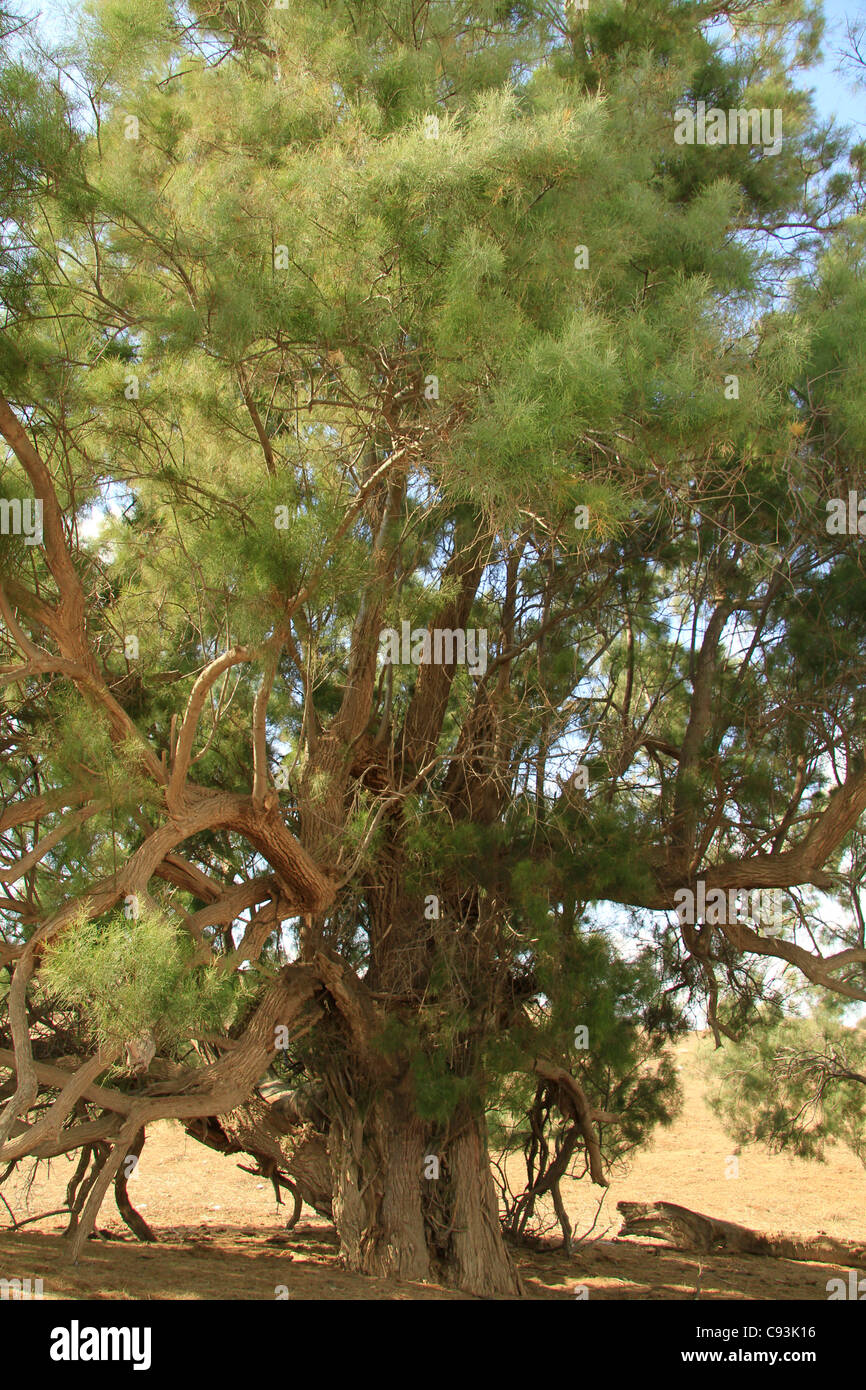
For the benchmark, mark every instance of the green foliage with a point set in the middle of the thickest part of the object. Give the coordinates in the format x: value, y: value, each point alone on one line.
x: 131, y: 977
x: 228, y: 278
x: 794, y: 1085
x: 622, y: 1061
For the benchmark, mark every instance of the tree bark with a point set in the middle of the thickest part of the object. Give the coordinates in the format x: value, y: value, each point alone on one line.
x: 280, y: 1147
x: 134, y: 1220
x: 396, y: 1221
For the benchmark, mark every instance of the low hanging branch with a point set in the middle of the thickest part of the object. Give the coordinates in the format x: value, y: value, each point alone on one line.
x: 209, y: 1091
x: 574, y: 1104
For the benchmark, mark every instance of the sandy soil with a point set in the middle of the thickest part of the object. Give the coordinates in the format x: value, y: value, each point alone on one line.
x: 221, y: 1234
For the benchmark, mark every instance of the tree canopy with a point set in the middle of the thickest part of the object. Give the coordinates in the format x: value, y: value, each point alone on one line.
x: 418, y: 482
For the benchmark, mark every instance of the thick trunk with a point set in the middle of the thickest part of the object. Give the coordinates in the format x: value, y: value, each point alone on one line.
x: 396, y: 1217
x: 480, y: 1258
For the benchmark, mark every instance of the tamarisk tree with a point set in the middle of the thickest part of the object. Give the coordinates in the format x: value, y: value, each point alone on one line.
x: 414, y: 537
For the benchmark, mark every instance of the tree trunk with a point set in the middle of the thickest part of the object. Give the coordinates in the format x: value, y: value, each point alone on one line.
x: 397, y: 1218
x: 481, y: 1260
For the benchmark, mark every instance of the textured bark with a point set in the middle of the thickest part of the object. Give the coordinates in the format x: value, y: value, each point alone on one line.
x: 481, y: 1261
x: 281, y: 1145
x: 394, y: 1221
x: 377, y: 1171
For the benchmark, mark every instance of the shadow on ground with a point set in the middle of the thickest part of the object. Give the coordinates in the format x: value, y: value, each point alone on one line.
x: 232, y: 1262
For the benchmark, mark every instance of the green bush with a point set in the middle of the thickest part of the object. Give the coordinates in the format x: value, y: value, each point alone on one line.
x: 794, y: 1084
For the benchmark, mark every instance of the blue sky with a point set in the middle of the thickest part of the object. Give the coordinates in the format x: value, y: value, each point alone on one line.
x: 834, y: 93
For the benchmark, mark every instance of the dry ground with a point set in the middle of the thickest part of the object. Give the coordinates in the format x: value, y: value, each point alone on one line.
x: 221, y: 1235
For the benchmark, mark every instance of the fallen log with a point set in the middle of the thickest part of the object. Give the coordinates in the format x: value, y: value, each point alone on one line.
x: 689, y: 1230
